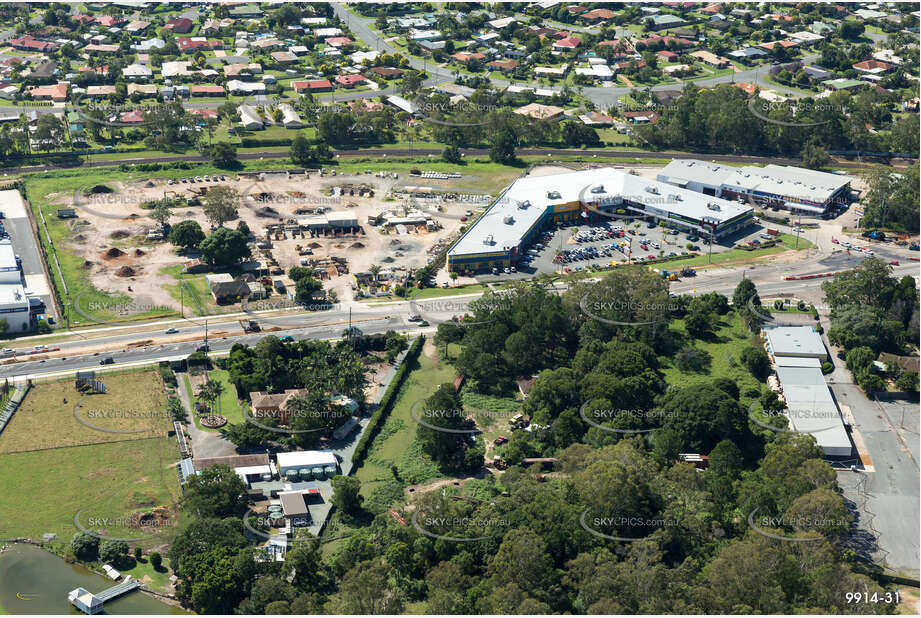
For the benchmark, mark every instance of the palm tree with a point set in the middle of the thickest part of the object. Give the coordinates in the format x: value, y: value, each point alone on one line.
x: 374, y: 269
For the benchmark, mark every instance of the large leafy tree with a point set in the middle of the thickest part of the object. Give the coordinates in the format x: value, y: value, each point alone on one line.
x: 225, y: 247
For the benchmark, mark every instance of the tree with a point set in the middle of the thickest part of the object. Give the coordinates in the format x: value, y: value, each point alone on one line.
x: 301, y: 152
x: 703, y: 416
x: 756, y: 361
x: 444, y: 436
x: 138, y: 553
x: 815, y: 157
x: 186, y: 234
x: 346, y: 494
x: 699, y: 320
x: 304, y: 289
x: 225, y: 247
x: 112, y: 551
x: 366, y: 589
x: 451, y: 154
x: 220, y: 204
x: 156, y: 560
x: 850, y: 29
x: 907, y: 382
x: 215, y: 492
x: 161, y: 213
x: 503, y: 148
x: 85, y: 546
x: 224, y: 155
x: 859, y: 359
x: 692, y: 359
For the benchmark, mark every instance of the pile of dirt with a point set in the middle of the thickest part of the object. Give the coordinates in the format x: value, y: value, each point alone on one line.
x: 125, y: 271
x: 357, y: 245
x: 139, y: 253
x: 117, y: 234
x: 394, y: 242
x: 113, y: 253
x: 387, y: 259
x: 133, y: 216
x: 150, y: 185
x: 87, y: 264
x: 266, y: 211
x: 79, y: 238
x: 97, y: 189
x: 314, y: 245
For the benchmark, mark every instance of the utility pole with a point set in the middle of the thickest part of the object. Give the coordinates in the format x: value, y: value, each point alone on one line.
x: 206, y: 333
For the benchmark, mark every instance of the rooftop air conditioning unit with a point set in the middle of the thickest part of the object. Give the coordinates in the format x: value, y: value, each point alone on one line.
x: 489, y: 240
x: 598, y: 189
x: 554, y: 195
x: 524, y: 204
x: 713, y: 206
x: 508, y: 219
x: 652, y: 190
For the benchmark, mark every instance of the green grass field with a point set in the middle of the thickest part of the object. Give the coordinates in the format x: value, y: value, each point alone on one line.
x: 229, y: 406
x: 725, y: 347
x: 134, y: 403
x: 110, y: 481
x: 144, y: 571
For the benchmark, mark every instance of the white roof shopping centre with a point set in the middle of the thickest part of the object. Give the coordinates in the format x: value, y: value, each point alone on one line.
x: 528, y: 200
x: 798, y: 185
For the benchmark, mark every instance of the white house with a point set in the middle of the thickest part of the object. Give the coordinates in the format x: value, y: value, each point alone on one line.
x: 249, y: 118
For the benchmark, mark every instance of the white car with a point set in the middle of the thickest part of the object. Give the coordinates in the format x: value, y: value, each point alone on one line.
x: 171, y: 331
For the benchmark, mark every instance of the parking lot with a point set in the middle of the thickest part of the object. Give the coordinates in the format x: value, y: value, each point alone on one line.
x: 615, y: 241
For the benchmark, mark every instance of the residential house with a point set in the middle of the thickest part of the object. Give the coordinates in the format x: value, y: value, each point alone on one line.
x: 817, y: 74
x: 314, y: 85
x: 206, y: 91
x: 149, y: 45
x: 748, y: 54
x: 283, y: 57
x: 137, y: 73
x: 667, y: 56
x: 597, y: 15
x: 539, y: 111
x: 661, y: 22
x: 30, y: 43
x: 249, y: 118
x: 710, y: 58
x: 503, y: 65
x: 100, y: 91
x: 387, y: 72
x: 873, y: 67
x: 192, y: 44
x: 224, y: 288
x: 180, y: 26
x: 274, y: 405
x: 289, y: 117
x: 641, y: 117
x: 570, y: 42
x: 237, y: 87
x: 350, y: 81
x: 56, y: 92
x: 137, y: 26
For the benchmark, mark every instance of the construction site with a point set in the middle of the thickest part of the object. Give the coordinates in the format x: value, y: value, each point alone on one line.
x: 335, y: 225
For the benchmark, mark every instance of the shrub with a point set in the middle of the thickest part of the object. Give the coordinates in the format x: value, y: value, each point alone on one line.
x: 692, y: 359
x: 827, y: 367
x: 757, y: 362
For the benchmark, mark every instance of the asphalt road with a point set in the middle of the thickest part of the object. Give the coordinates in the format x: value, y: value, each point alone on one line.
x: 436, y: 152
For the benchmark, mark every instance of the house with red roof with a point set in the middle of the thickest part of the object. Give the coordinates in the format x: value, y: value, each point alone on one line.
x: 503, y: 65
x: 465, y: 56
x: 712, y: 8
x: 667, y: 56
x: 770, y: 44
x: 666, y: 41
x: 873, y: 67
x: 387, y: 72
x: 206, y: 91
x: 193, y: 44
x: 313, y: 85
x: 570, y: 42
x: 109, y: 20
x: 339, y: 41
x: 598, y: 15
x: 350, y: 81
x: 132, y: 117
x: 30, y: 43
x: 181, y: 25
x: 207, y: 112
x: 55, y: 92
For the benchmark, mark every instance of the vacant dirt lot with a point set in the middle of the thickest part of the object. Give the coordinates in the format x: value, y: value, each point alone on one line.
x: 109, y: 233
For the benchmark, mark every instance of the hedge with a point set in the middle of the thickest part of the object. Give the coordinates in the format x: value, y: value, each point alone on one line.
x: 253, y: 142
x: 386, y: 403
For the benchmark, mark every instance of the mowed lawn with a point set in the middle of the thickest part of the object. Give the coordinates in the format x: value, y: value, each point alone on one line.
x: 43, y: 491
x: 133, y: 407
x: 395, y: 444
x: 730, y: 337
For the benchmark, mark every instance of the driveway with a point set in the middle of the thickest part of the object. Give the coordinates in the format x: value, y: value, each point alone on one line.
x: 204, y: 443
x: 886, y: 495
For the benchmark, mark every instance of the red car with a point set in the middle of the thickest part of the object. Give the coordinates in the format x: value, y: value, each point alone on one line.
x: 893, y: 263
x: 500, y: 440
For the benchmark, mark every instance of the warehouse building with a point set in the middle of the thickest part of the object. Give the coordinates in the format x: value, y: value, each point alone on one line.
x: 809, y: 405
x: 796, y: 189
x: 529, y: 205
x: 795, y: 341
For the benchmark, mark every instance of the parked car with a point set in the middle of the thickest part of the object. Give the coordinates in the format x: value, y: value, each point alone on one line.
x: 893, y: 262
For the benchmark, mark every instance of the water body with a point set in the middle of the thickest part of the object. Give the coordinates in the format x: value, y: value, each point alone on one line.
x: 27, y: 572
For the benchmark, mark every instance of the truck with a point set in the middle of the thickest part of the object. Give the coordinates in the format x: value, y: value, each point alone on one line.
x: 250, y: 326
x: 772, y: 231
x: 874, y: 235
x: 688, y: 272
